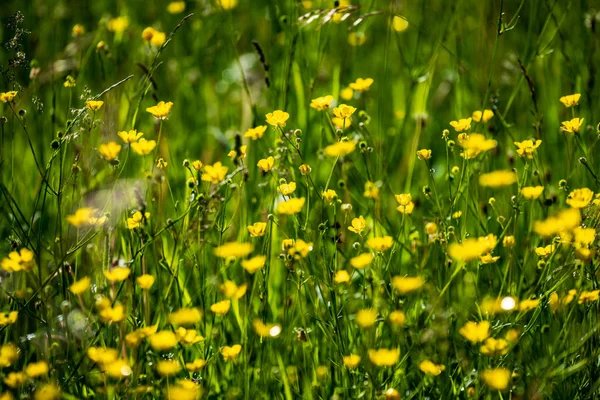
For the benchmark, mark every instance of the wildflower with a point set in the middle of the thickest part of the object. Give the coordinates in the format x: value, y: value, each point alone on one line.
x: 570, y: 100
x: 145, y: 281
x: 371, y: 190
x: 227, y: 4
x: 161, y: 163
x: 157, y: 40
x: 399, y: 24
x: 113, y: 314
x: 508, y: 241
x: 15, y: 379
x: 231, y: 290
x: 545, y: 251
x: 21, y: 260
x: 256, y: 133
x: 231, y: 353
x: 118, y: 369
x: 196, y: 365
x: 494, y: 347
x: 586, y: 297
x: 362, y: 261
x: 496, y: 378
x: 277, y: 118
x: 80, y: 286
x: 77, y: 30
x: 406, y: 206
x: 118, y: 24
x: 8, y: 354
x: 380, y: 243
x: 160, y: 110
x: 475, y: 332
x: 257, y: 229
x: 329, y: 195
x: 137, y: 220
x: 197, y: 165
x: 69, y: 82
x: 102, y: 355
x: 497, y: 179
x: 134, y: 338
x: 266, y: 164
x: 131, y: 136
x: 35, y: 369
x: 366, y: 318
x: 384, y: 357
x: 163, y: 340
x: 528, y: 304
x: 346, y: 94
x: 266, y: 330
x: 109, y: 150
x: 221, y: 308
x: 254, y: 264
x: 397, y: 318
x: 461, y: 125
x: 188, y: 336
x: 532, y: 192
x: 358, y: 225
x: 564, y: 221
x: 430, y: 368
x: 321, y: 103
x: 341, y: 277
x: 472, y: 248
x: 239, y: 154
x: 580, y: 198
x: 488, y: 258
x: 351, y: 361
x: 93, y: 105
x: 407, y: 284
x: 431, y: 228
x: 304, y: 169
x: 47, y: 391
x: 8, y: 318
x: 214, y: 173
x: 7, y: 97
x: 185, y: 316
x: 424, y: 154
x: 287, y: 188
x: 117, y: 274
x: 291, y: 206
x: 234, y: 249
x: 572, y: 126
x: 474, y: 144
x: 487, y: 115
x: 143, y: 147
x: 340, y: 149
x: 176, y: 7
x: 168, y: 367
x: 184, y: 389
x: 527, y: 147
x: 343, y: 111
x: 300, y: 249
x: 361, y: 85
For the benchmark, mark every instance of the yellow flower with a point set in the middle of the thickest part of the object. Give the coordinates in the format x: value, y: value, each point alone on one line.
x: 292, y: 206
x: 231, y: 353
x: 508, y: 241
x: 371, y: 190
x: 197, y: 165
x: 528, y: 304
x: 196, y: 365
x: 7, y: 97
x: 321, y: 103
x: 366, y: 318
x: 157, y: 40
x: 472, y: 248
x: 497, y: 378
x: 361, y: 85
x: 8, y: 318
x: 340, y: 149
x: 407, y: 284
x: 304, y: 169
x: 287, y: 188
x: 580, y: 198
x: 545, y: 251
x: 277, y: 118
x: 380, y: 243
x: 461, y: 125
x: 227, y: 4
x: 137, y: 220
x: 384, y: 357
x: 163, y: 340
x: 77, y: 30
x: 69, y: 82
x: 424, y: 154
x: 341, y: 277
x: 397, y: 318
x: 487, y: 115
x: 21, y: 260
x: 80, y: 286
x: 256, y: 133
x: 586, y: 297
x: 33, y: 370
x: 131, y: 136
x: 329, y: 195
x: 488, y: 258
x: 188, y: 336
x: 183, y: 389
x: 185, y: 316
x: 234, y: 249
x: 134, y: 338
x: 266, y: 330
x: 351, y: 361
x: 570, y: 100
x: 564, y: 221
x: 143, y: 147
x: 400, y: 24
x: 214, y: 173
x: 221, y: 308
x: 572, y: 126
x: 254, y: 264
x: 430, y: 368
x: 109, y: 150
x: 113, y: 314
x: 47, y: 391
x: 233, y: 291
x: 474, y: 144
x: 102, y: 355
x: 85, y: 216
x: 527, y: 147
x: 362, y: 261
x: 15, y: 379
x: 406, y: 206
x: 300, y: 249
x: 497, y: 179
x: 358, y: 225
x: 161, y: 110
x: 118, y: 24
x: 117, y: 274
x: 176, y: 7
x: 145, y: 281
x: 494, y: 347
x: 266, y: 164
x: 93, y: 105
x: 532, y: 192
x: 346, y: 94
x: 343, y: 111
x: 431, y: 228
x: 257, y: 229
x: 168, y: 367
x: 475, y: 332
x: 8, y: 355
x: 242, y: 152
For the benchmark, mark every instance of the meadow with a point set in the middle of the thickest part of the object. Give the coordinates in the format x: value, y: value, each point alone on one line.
x: 234, y: 199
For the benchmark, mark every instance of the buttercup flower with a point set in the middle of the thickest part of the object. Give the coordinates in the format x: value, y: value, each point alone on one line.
x: 498, y: 179
x: 131, y: 136
x: 234, y: 249
x: 266, y: 164
x: 291, y: 206
x: 532, y: 192
x: 340, y: 149
x: 572, y: 126
x: 527, y: 148
x: 461, y: 125
x: 430, y: 368
x: 287, y: 188
x: 351, y: 361
x: 358, y: 225
x: 231, y: 353
x: 380, y: 243
x: 7, y: 97
x: 143, y: 147
x: 487, y: 115
x: 475, y: 332
x: 256, y: 133
x: 257, y: 229
x: 580, y: 198
x: 80, y: 286
x: 361, y: 85
x: 93, y: 105
x: 362, y: 261
x: 384, y: 357
x: 321, y: 103
x: 570, y: 100
x: 214, y: 173
x: 161, y: 110
x: 407, y: 284
x: 109, y: 151
x: 497, y: 378
x: 254, y: 264
x: 424, y: 154
x: 343, y: 111
x: 277, y: 118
